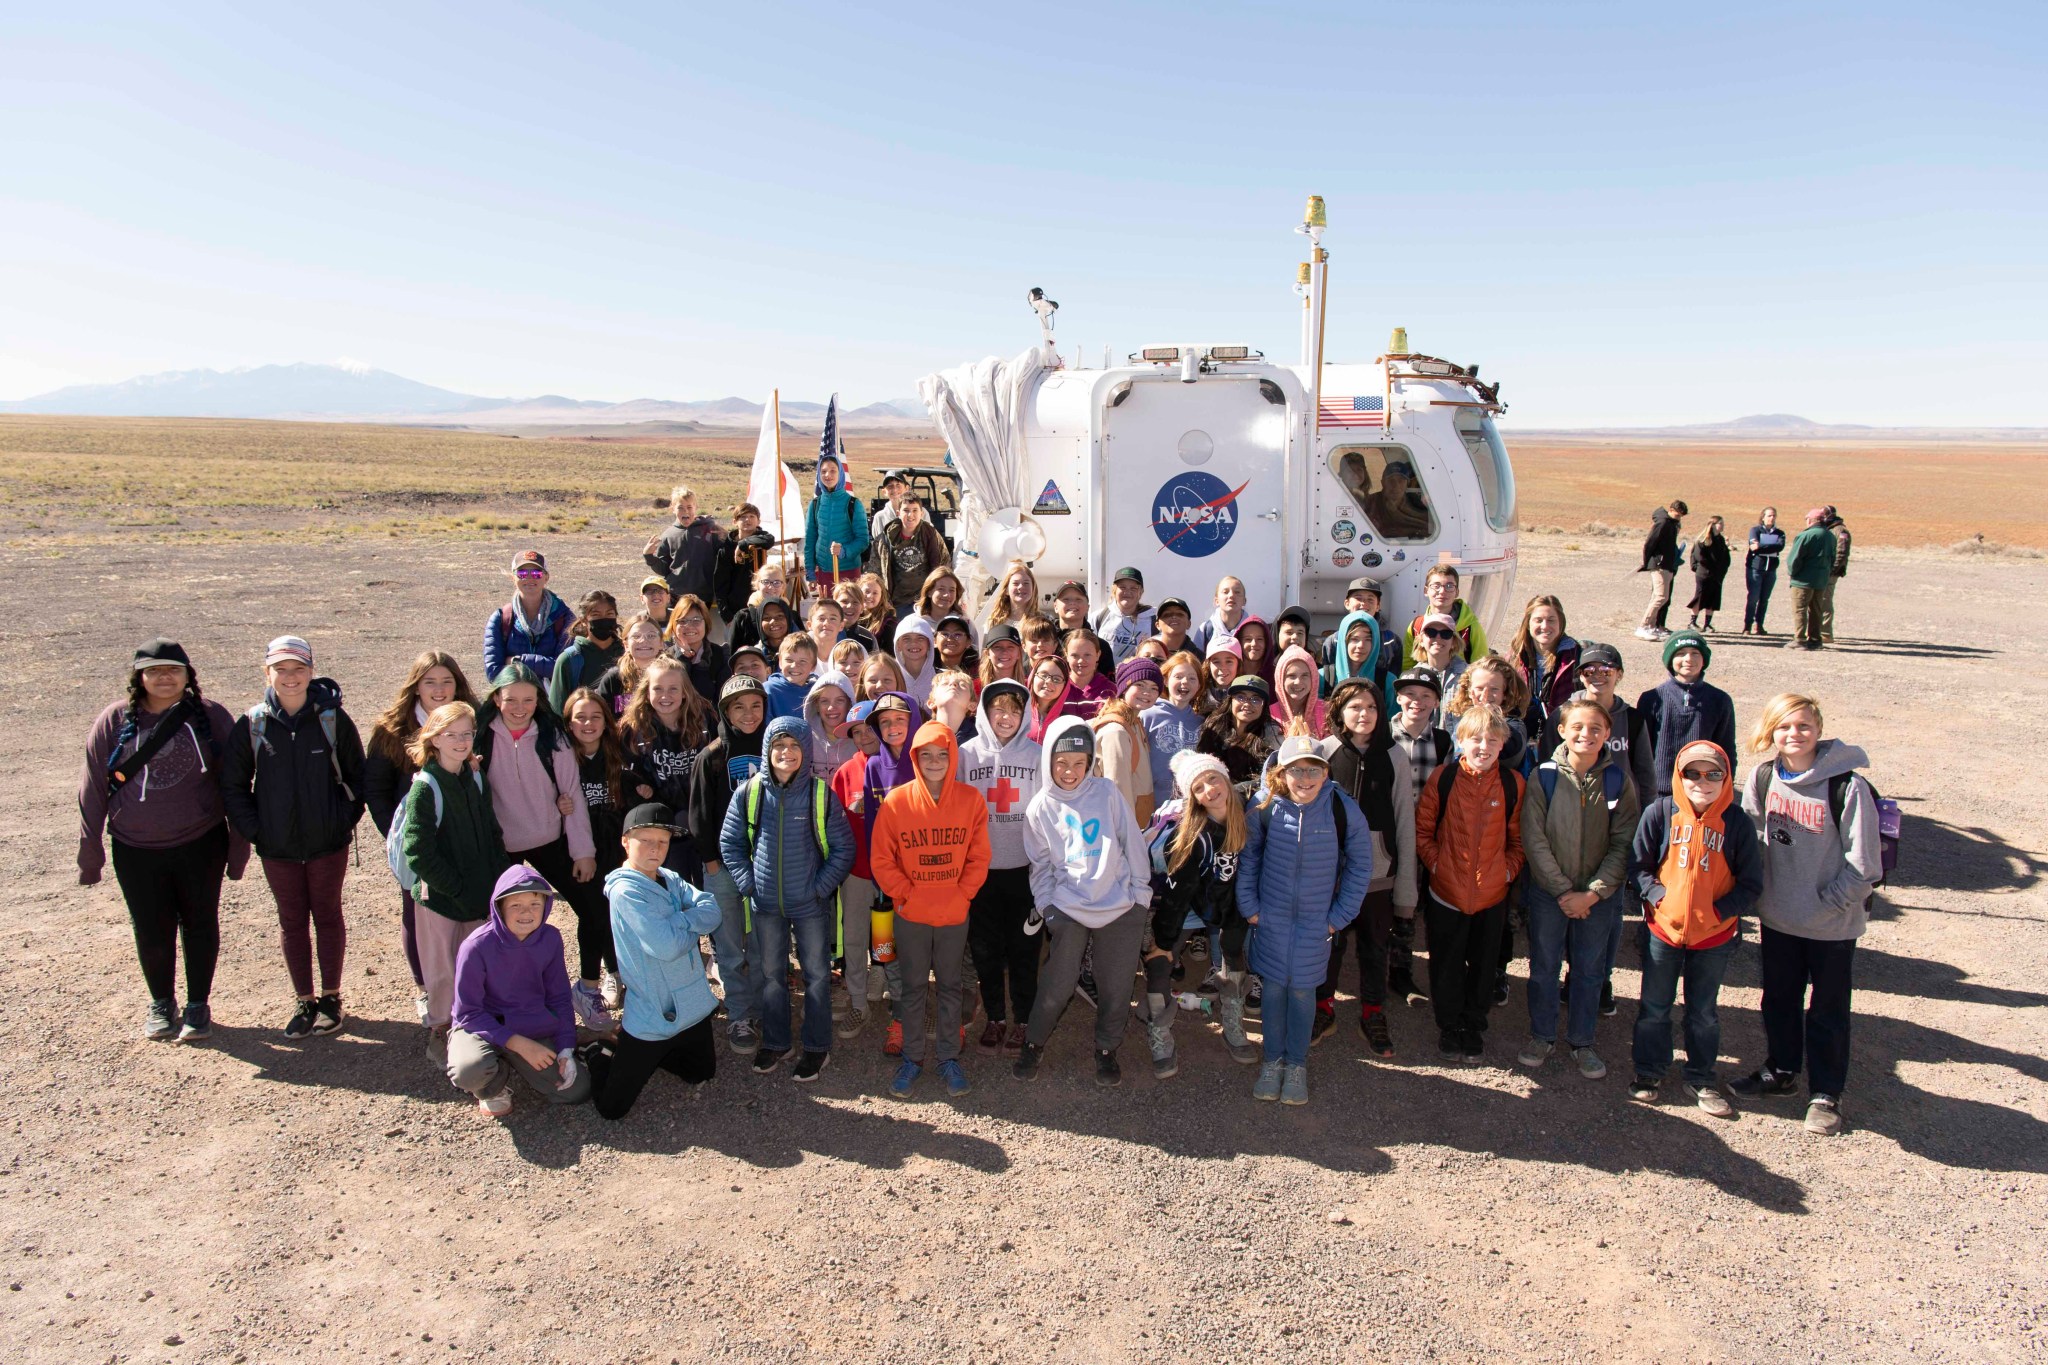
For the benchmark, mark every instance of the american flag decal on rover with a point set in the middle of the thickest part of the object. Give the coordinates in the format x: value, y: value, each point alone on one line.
x: 1351, y: 412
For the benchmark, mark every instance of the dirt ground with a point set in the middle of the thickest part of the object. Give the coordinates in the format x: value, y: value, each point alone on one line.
x: 256, y: 1200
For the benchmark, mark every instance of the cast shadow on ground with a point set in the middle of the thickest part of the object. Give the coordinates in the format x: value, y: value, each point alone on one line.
x: 1849, y: 644
x: 370, y: 1056
x: 1934, y: 853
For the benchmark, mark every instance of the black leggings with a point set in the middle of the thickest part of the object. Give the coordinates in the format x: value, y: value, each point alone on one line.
x: 594, y: 948
x: 1002, y: 951
x: 173, y: 891
x: 691, y: 1055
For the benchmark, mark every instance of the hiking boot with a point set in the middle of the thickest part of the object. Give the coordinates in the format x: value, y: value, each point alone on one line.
x: 892, y: 1042
x: 160, y: 1024
x: 1590, y: 1065
x: 851, y: 1022
x: 1473, y: 1044
x: 1643, y: 1090
x: 1013, y: 1041
x: 1450, y: 1047
x: 1535, y: 1052
x: 767, y: 1059
x: 1325, y: 1020
x: 1823, y: 1116
x: 1764, y: 1082
x: 1242, y: 1049
x: 1267, y: 1086
x: 954, y: 1077
x: 991, y: 1040
x: 906, y: 1077
x: 1373, y: 1024
x: 1711, y: 1101
x: 809, y: 1065
x: 198, y: 1022
x: 495, y: 1106
x: 744, y: 1038
x: 300, y: 1025
x: 1608, y: 1009
x: 1108, y: 1074
x: 1294, y: 1085
x: 1028, y: 1057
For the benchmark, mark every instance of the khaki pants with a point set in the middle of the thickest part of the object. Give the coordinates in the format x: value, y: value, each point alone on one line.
x: 483, y: 1070
x: 1827, y: 610
x: 1806, y: 615
x: 1660, y: 599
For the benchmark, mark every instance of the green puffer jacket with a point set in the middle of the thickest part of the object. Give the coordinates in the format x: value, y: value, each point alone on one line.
x: 1574, y: 839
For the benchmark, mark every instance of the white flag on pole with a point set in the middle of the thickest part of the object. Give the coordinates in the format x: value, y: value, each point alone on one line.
x: 769, y: 486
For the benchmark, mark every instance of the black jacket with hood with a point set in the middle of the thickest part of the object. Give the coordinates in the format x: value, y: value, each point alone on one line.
x: 281, y: 793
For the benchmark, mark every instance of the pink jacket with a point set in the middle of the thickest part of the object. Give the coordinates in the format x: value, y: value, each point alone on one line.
x: 523, y: 793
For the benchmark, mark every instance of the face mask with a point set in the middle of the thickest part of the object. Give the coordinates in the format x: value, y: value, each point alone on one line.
x: 603, y: 630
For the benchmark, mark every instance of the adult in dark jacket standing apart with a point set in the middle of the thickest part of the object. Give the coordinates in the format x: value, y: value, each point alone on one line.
x: 1812, y: 573
x: 1760, y: 569
x: 533, y: 627
x: 835, y: 528
x: 907, y: 555
x: 152, y: 779
x: 686, y: 554
x: 290, y: 778
x: 895, y: 487
x: 1833, y: 521
x: 1660, y: 561
x: 1709, y: 562
x: 741, y: 553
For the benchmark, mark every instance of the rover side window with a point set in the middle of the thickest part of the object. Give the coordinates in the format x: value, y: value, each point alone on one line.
x: 1490, y: 462
x: 1384, y: 483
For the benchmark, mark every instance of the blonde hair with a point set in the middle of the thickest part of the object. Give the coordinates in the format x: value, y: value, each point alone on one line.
x: 1482, y: 720
x: 1194, y: 821
x: 421, y: 750
x: 1004, y: 611
x: 864, y: 691
x: 678, y: 494
x: 849, y: 657
x: 641, y: 719
x: 1514, y: 697
x: 948, y: 680
x: 1777, y: 711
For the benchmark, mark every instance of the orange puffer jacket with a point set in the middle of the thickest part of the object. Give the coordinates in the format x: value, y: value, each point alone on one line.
x: 1473, y: 846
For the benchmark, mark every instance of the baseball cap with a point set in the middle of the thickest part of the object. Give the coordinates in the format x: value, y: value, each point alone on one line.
x: 956, y: 619
x: 861, y: 712
x: 1592, y: 652
x: 1299, y: 749
x: 754, y: 650
x: 889, y: 701
x: 1075, y: 739
x: 161, y: 653
x: 1075, y: 584
x: 1370, y: 585
x: 288, y: 647
x: 653, y: 580
x: 740, y: 685
x: 1129, y: 572
x: 650, y: 815
x: 890, y: 476
x: 1001, y: 634
x: 1180, y: 602
x: 530, y: 559
x: 1253, y: 683
x: 1224, y: 644
x: 1422, y: 677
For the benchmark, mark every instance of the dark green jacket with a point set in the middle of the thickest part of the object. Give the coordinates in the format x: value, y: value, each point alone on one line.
x: 1812, y: 558
x: 458, y: 858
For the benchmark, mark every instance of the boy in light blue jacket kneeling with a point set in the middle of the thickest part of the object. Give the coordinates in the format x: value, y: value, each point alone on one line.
x: 657, y: 919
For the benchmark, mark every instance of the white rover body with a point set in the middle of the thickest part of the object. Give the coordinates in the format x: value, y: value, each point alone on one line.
x: 1193, y: 461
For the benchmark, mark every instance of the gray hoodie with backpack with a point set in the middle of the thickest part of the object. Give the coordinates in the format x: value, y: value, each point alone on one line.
x: 1819, y: 868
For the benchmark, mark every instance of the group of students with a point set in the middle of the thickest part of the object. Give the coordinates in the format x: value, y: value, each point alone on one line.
x: 1815, y: 561
x: 1072, y: 801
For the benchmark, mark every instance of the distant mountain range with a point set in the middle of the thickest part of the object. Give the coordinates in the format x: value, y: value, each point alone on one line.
x: 360, y: 393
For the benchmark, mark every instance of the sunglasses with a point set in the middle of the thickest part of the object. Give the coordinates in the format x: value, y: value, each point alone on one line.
x: 533, y: 573
x: 1703, y: 774
x: 1439, y: 633
x: 1596, y: 668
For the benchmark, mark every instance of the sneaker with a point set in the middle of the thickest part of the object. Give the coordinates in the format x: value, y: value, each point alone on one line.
x: 1590, y: 1065
x: 301, y: 1023
x: 744, y: 1038
x: 1198, y: 948
x: 991, y: 1040
x: 1643, y: 1090
x: 809, y: 1065
x: 1473, y: 1044
x: 1084, y: 989
x: 1165, y: 1067
x: 1764, y: 1081
x: 160, y: 1024
x: 1646, y: 633
x: 1535, y: 1052
x: 1107, y: 1073
x: 1711, y: 1101
x: 767, y: 1059
x: 327, y: 1014
x: 198, y: 1022
x: 1450, y: 1047
x: 954, y: 1077
x: 1500, y: 989
x: 1608, y: 1009
x: 1823, y: 1116
x: 1242, y: 1049
x: 1013, y: 1041
x: 850, y: 1022
x: 1325, y: 1020
x: 1267, y: 1086
x: 1373, y: 1024
x: 495, y: 1106
x: 1254, y: 999
x: 422, y: 1008
x: 611, y: 990
x: 1294, y: 1085
x: 1028, y: 1057
x: 892, y: 1042
x: 905, y: 1077
x: 589, y: 1007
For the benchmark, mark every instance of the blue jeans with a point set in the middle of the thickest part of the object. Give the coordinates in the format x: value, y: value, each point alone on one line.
x: 1588, y: 944
x: 1290, y: 1013
x: 1702, y: 969
x: 738, y: 967
x: 770, y: 947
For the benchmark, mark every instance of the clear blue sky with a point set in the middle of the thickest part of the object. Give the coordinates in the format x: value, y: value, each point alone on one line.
x: 1628, y: 213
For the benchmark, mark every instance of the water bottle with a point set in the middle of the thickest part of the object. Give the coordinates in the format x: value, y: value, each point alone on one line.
x: 882, y: 935
x: 1188, y: 1000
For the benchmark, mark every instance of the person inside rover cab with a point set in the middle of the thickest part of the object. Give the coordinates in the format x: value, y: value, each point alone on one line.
x: 1399, y: 510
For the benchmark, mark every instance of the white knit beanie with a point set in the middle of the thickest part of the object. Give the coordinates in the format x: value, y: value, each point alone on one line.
x: 1187, y: 766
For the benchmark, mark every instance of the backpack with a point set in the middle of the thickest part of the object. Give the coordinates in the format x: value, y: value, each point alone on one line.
x: 1265, y: 809
x: 394, y: 842
x: 259, y: 720
x: 821, y: 798
x: 1611, y: 780
x: 1887, y: 825
x: 1447, y: 775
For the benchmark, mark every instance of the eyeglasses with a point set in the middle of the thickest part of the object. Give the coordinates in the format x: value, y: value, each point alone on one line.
x: 1439, y: 633
x: 458, y: 734
x: 1703, y: 774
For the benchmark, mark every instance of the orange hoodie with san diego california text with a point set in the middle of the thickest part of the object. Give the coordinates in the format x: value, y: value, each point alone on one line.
x: 931, y: 855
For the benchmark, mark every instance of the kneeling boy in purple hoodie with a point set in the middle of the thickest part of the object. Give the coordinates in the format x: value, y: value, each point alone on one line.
x: 512, y: 1006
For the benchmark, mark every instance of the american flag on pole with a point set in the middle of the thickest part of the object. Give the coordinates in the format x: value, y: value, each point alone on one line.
x: 828, y: 447
x: 1359, y: 411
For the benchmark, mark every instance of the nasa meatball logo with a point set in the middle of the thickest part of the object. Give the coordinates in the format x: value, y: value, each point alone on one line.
x: 1195, y: 513
x: 1342, y: 532
x: 1341, y: 558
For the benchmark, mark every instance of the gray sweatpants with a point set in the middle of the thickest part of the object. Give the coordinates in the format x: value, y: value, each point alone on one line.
x: 924, y: 950
x: 483, y: 1070
x: 1116, y: 962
